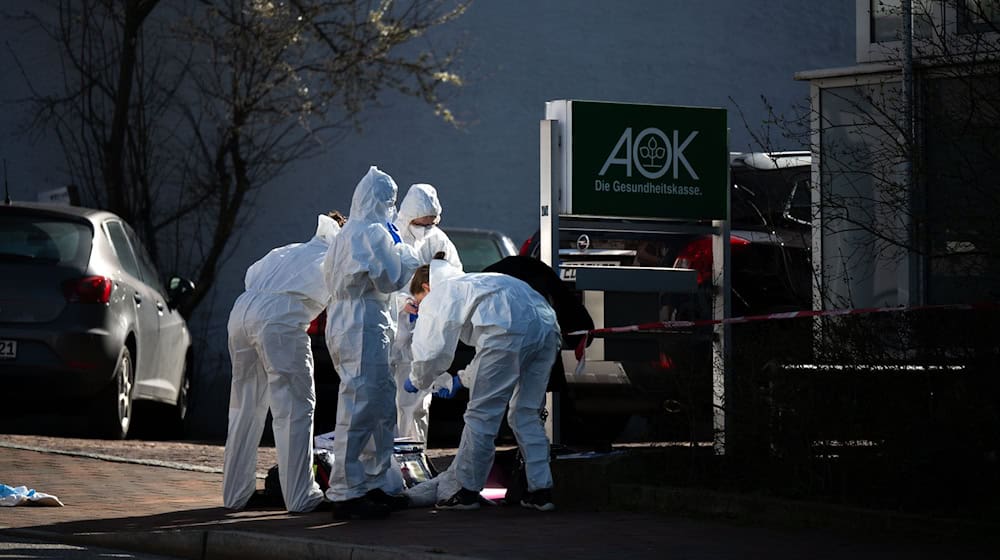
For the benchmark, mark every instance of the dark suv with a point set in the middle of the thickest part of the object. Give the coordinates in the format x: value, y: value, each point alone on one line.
x: 771, y: 271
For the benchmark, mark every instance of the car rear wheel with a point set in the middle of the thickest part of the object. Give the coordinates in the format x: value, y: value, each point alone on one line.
x: 113, y: 408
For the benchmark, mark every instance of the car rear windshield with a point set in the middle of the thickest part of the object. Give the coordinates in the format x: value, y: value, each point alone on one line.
x: 43, y: 239
x: 476, y: 251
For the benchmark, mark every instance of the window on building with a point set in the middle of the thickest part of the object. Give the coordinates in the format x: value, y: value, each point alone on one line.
x: 863, y: 253
x: 961, y: 123
x: 978, y: 16
x: 886, y: 19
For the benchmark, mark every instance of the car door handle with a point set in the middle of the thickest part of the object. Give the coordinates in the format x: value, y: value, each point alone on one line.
x: 137, y: 297
x: 159, y: 306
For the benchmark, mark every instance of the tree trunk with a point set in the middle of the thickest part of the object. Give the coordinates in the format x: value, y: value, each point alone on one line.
x: 136, y: 12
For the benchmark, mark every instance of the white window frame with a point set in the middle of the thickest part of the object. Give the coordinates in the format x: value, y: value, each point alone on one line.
x: 909, y: 291
x: 978, y: 40
x: 889, y: 51
x: 944, y: 15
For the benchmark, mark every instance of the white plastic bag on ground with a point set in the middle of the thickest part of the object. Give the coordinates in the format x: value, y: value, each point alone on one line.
x: 22, y: 495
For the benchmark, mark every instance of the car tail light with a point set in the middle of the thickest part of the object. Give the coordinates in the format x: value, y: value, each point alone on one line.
x: 526, y: 247
x: 90, y: 289
x: 697, y: 255
x: 317, y: 325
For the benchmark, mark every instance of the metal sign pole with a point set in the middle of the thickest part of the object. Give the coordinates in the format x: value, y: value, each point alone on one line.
x: 722, y: 309
x: 550, y: 159
x: 721, y: 342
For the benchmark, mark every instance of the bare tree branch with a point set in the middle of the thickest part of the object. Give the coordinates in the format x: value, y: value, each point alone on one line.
x: 174, y: 115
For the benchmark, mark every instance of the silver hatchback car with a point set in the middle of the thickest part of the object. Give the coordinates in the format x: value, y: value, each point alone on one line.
x: 84, y: 319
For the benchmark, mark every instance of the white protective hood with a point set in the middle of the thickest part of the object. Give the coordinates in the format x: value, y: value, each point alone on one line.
x: 420, y: 200
x: 364, y: 257
x: 327, y: 228
x: 374, y: 200
x: 441, y: 271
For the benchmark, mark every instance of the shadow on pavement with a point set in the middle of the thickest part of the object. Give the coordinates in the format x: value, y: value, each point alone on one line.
x: 504, y: 532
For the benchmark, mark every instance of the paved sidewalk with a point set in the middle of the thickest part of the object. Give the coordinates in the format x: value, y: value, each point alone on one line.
x: 178, y: 513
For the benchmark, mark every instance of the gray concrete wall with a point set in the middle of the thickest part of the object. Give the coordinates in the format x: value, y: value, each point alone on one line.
x: 518, y: 55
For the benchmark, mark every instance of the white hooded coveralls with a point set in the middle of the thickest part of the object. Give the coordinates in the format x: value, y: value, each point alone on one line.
x: 413, y: 409
x: 273, y: 368
x: 366, y: 266
x: 516, y: 337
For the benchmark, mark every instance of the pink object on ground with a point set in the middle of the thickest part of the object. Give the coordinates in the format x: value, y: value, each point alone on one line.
x: 493, y: 493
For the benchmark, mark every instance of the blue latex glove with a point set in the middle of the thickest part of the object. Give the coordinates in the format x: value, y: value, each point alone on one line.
x: 394, y: 232
x: 456, y: 384
x: 408, y: 386
x: 412, y: 309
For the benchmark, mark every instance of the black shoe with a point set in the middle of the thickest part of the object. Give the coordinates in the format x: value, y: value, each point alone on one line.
x: 325, y: 505
x: 261, y: 499
x: 463, y: 499
x: 540, y: 499
x: 395, y: 503
x: 360, y: 508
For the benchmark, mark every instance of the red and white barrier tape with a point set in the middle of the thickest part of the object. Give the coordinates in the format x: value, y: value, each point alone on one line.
x: 675, y: 325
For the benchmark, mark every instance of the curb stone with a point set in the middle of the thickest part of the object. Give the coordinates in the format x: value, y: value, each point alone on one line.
x: 116, y: 459
x: 227, y: 545
x: 177, y: 544
x: 241, y: 545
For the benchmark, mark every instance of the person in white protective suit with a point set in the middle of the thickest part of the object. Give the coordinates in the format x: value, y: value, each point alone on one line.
x: 516, y: 337
x: 368, y: 263
x: 419, y: 214
x: 273, y: 368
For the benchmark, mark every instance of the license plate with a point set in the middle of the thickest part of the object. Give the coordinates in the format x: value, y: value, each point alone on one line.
x: 8, y: 349
x: 567, y: 270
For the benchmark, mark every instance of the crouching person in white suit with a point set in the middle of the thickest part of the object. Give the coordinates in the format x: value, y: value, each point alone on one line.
x: 516, y: 337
